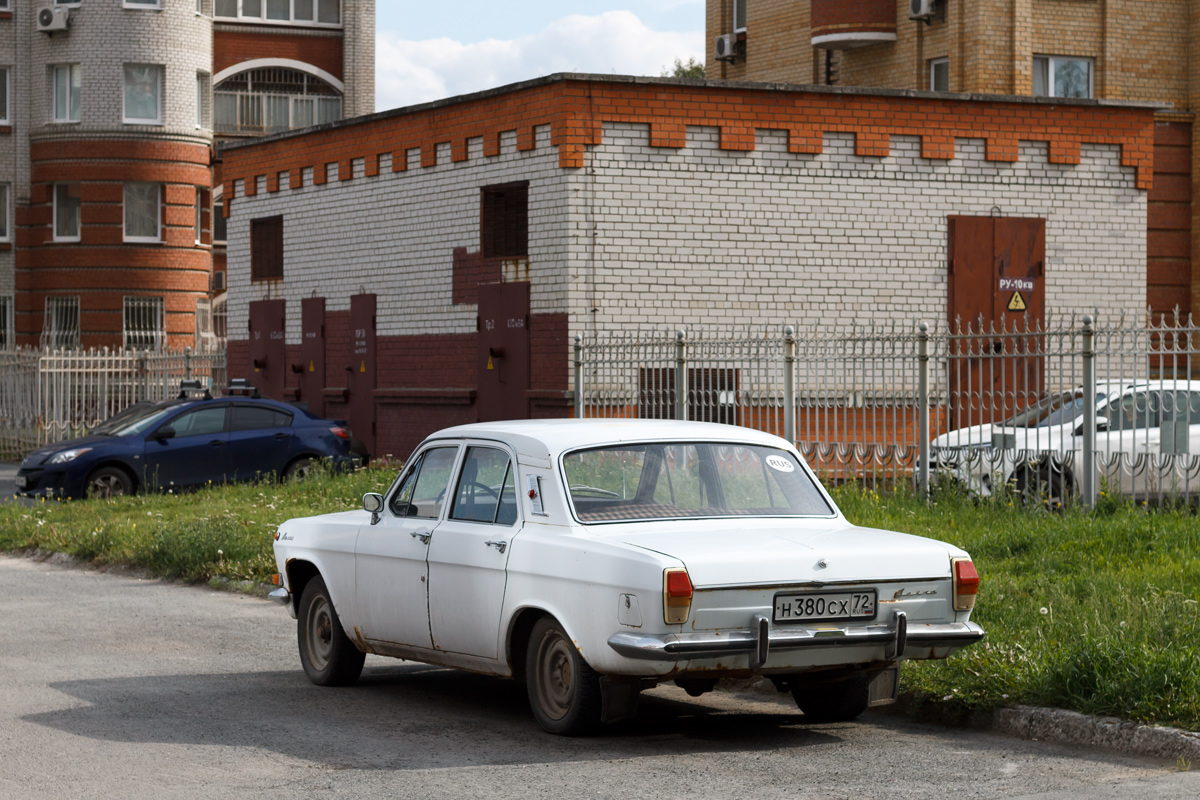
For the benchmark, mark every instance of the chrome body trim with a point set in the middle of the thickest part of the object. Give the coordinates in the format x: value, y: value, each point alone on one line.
x: 898, y: 636
x: 281, y: 596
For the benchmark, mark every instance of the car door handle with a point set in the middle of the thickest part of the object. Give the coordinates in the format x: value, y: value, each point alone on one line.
x: 422, y: 535
x: 501, y: 546
x: 280, y: 436
x: 216, y: 443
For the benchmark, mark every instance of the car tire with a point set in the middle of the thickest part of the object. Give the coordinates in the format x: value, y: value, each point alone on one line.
x: 328, y: 656
x: 832, y: 702
x: 108, y: 482
x: 1045, y: 484
x: 298, y: 470
x: 564, y: 692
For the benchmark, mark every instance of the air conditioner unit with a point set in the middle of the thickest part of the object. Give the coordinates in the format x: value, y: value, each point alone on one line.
x: 726, y: 47
x: 53, y: 19
x: 922, y: 9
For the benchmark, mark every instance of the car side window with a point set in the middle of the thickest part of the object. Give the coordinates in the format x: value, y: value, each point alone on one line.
x: 1181, y: 407
x: 1135, y: 412
x: 481, y: 485
x: 428, y: 481
x: 201, y: 422
x: 255, y: 418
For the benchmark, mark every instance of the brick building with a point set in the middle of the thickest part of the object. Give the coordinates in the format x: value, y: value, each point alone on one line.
x: 1110, y: 49
x: 431, y: 265
x: 110, y: 109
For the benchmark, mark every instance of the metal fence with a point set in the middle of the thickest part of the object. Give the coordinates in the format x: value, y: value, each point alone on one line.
x: 993, y: 406
x: 49, y: 395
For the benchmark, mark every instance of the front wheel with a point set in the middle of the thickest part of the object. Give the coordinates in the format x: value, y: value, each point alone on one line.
x: 328, y: 656
x: 108, y: 482
x: 832, y: 702
x: 564, y: 692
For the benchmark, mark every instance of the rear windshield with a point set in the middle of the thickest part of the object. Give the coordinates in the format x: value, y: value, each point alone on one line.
x: 684, y: 480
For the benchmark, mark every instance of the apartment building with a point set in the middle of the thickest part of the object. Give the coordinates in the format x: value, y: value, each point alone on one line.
x: 1105, y: 49
x: 109, y: 112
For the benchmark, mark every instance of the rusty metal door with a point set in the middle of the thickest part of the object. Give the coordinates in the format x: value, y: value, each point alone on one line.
x: 268, y: 347
x: 361, y: 370
x: 503, y: 351
x: 997, y: 311
x: 312, y: 354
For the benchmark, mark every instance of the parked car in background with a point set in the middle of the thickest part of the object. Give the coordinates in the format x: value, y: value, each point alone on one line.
x: 175, y: 444
x: 592, y: 559
x: 1039, y: 450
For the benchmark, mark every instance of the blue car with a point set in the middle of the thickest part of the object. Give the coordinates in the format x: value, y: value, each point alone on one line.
x: 175, y: 444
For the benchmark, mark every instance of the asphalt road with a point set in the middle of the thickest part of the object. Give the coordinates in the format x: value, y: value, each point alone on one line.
x: 111, y: 686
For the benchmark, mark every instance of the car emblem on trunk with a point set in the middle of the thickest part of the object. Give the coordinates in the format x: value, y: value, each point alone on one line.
x: 906, y: 593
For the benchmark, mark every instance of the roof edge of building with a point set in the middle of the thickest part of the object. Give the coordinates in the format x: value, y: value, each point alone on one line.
x: 562, y: 77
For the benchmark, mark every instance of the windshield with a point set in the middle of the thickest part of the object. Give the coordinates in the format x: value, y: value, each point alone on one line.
x: 129, y: 414
x: 1057, y: 410
x: 143, y: 423
x: 676, y: 480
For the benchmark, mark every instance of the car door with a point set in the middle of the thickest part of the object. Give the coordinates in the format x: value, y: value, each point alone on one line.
x: 260, y: 441
x: 468, y: 554
x: 1131, y: 436
x: 390, y: 556
x: 188, y: 450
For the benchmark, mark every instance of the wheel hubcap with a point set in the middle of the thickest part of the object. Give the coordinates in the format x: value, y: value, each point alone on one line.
x: 107, y: 486
x: 320, y: 634
x: 555, y: 675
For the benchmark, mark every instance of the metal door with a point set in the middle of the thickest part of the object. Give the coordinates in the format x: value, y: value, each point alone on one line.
x: 312, y: 354
x: 996, y: 314
x: 503, y: 351
x: 268, y: 347
x: 360, y: 411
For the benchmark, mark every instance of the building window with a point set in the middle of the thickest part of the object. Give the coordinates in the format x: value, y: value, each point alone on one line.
x: 66, y: 212
x: 939, y: 75
x: 4, y: 228
x: 266, y: 249
x: 1058, y: 76
x: 504, y: 221
x: 144, y: 324
x: 5, y: 119
x: 142, y: 4
x: 219, y: 319
x: 307, y: 12
x: 219, y: 222
x: 739, y: 16
x: 142, y: 90
x: 203, y: 107
x: 60, y: 325
x: 143, y: 212
x: 274, y: 99
x: 66, y: 93
x: 8, y: 339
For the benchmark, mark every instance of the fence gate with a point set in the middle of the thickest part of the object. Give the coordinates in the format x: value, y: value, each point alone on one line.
x: 997, y: 311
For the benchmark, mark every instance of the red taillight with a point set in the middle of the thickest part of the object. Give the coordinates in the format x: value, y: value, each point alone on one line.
x: 966, y: 584
x: 677, y: 596
x: 341, y: 432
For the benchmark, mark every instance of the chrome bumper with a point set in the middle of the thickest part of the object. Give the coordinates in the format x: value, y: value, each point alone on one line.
x: 760, y: 641
x: 281, y: 596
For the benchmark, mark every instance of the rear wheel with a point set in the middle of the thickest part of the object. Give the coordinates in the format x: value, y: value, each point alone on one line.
x: 328, y: 656
x: 298, y: 470
x: 832, y: 702
x: 1046, y: 484
x: 108, y: 482
x: 564, y: 692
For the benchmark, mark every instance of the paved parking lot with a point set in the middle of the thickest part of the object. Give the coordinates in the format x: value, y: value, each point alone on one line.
x: 111, y: 686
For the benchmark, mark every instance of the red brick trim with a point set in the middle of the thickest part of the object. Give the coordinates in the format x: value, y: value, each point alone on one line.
x: 232, y: 48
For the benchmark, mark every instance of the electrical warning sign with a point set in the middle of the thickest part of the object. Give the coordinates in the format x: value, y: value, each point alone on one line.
x: 490, y: 365
x: 1017, y: 303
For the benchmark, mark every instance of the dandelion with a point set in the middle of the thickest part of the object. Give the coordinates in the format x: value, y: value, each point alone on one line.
x: 948, y: 697
x: 1004, y: 697
x: 1043, y: 610
x: 1122, y: 623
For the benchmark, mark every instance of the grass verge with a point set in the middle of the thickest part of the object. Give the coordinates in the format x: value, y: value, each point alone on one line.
x: 1092, y: 612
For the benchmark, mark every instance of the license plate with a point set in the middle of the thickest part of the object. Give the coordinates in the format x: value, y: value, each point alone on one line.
x: 825, y: 606
x: 20, y: 481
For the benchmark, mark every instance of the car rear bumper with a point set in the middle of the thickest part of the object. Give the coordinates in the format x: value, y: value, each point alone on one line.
x: 761, y: 641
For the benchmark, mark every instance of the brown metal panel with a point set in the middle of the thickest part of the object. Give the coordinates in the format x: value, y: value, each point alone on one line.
x: 268, y: 347
x: 503, y: 351
x: 972, y: 277
x: 1020, y: 256
x: 312, y: 354
x: 360, y: 410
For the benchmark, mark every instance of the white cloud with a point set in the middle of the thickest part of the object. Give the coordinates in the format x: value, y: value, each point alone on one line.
x: 409, y: 72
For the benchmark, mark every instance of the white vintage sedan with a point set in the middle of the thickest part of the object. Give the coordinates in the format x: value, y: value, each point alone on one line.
x: 593, y: 559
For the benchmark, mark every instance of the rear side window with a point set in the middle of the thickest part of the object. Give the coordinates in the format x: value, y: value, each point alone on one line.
x: 254, y: 418
x: 202, y: 422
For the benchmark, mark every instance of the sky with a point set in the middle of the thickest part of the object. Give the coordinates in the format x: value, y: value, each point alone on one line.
x: 431, y: 50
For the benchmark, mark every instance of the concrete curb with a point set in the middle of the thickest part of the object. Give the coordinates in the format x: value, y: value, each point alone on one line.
x: 1110, y: 733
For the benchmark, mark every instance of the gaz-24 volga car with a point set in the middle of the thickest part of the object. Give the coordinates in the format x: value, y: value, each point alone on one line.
x: 593, y: 559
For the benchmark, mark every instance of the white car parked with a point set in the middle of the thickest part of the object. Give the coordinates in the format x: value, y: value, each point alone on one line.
x: 1147, y: 434
x: 592, y: 559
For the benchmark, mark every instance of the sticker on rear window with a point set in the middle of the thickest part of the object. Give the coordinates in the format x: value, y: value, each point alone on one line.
x: 780, y: 463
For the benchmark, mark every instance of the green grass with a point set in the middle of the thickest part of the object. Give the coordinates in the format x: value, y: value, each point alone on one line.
x: 1094, y: 612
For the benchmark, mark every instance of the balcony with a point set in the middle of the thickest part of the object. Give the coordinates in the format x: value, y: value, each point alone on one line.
x: 264, y: 101
x: 845, y: 25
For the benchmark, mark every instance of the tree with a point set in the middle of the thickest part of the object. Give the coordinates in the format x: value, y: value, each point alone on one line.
x: 692, y: 69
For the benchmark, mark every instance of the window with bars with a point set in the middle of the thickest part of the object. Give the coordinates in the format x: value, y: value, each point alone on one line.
x: 273, y: 99
x: 60, y: 324
x: 504, y: 220
x: 266, y: 249
x: 145, y: 325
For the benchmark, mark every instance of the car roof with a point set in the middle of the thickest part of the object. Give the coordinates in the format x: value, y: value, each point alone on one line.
x: 547, y: 438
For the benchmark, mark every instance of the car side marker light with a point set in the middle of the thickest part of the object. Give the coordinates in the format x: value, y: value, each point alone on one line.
x: 966, y: 584
x: 677, y: 596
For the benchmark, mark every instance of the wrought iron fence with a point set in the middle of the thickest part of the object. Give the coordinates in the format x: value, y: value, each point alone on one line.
x: 49, y: 395
x: 1025, y: 407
